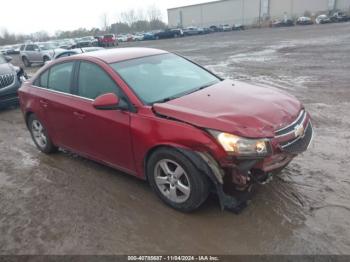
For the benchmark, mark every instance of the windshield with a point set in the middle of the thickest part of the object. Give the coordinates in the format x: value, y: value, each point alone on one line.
x: 163, y: 77
x: 47, y: 46
x: 2, y: 59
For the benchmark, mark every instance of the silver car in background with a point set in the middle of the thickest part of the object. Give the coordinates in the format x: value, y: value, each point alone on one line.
x: 39, y: 53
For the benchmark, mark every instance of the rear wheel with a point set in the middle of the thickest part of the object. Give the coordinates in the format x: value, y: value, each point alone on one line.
x: 176, y: 180
x: 40, y: 135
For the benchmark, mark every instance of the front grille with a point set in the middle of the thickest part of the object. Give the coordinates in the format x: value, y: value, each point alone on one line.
x: 6, y: 80
x: 291, y: 128
x: 299, y: 144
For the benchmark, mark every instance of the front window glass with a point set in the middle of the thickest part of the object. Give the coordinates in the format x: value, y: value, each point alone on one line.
x: 163, y: 77
x: 44, y: 78
x: 93, y: 82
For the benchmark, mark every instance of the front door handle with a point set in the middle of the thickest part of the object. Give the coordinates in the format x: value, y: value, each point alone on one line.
x: 79, y: 115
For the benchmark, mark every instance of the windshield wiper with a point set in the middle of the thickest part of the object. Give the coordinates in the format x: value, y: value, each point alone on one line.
x: 183, y: 94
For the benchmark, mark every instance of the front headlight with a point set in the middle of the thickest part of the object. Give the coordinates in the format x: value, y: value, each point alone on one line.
x: 239, y: 146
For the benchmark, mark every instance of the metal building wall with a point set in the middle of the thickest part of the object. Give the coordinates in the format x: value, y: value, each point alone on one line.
x: 296, y: 7
x: 221, y: 12
x: 247, y: 11
x: 343, y: 5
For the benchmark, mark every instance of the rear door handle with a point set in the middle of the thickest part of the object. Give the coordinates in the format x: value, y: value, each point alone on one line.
x: 44, y: 103
x: 79, y: 115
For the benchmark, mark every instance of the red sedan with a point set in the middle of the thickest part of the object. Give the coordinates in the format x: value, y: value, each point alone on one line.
x: 165, y: 119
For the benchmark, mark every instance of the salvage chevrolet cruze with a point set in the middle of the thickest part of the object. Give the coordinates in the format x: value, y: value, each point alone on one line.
x: 165, y: 119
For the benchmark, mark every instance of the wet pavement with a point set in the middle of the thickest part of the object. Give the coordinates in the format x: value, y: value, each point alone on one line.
x: 64, y: 204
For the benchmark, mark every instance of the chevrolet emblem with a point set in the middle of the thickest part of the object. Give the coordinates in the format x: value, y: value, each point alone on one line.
x: 299, y: 131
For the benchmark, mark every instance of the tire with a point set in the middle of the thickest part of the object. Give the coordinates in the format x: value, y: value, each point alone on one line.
x: 40, y: 135
x: 26, y: 62
x: 181, y: 186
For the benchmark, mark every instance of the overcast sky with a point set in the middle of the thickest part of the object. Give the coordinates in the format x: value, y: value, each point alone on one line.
x: 28, y: 16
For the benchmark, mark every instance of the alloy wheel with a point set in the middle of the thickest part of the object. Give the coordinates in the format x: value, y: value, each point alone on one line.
x: 38, y: 134
x: 172, y: 180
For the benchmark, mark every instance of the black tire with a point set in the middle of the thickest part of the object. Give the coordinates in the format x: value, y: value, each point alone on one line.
x: 26, y: 62
x: 198, y: 183
x: 49, y: 147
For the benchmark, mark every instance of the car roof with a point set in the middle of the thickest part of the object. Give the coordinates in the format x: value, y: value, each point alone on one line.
x: 121, y: 54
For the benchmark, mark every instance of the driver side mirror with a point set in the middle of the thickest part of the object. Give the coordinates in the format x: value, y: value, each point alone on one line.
x: 8, y: 59
x: 109, y: 101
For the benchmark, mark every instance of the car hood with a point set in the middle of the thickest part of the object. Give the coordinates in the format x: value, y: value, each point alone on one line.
x: 6, y: 69
x: 235, y: 107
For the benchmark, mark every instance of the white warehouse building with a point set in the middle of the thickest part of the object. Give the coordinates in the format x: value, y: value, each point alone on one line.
x: 248, y: 12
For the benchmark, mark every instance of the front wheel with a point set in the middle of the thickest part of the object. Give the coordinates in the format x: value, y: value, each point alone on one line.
x: 40, y: 135
x: 176, y: 180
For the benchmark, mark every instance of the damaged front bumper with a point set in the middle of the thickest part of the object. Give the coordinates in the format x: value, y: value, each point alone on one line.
x: 234, y: 178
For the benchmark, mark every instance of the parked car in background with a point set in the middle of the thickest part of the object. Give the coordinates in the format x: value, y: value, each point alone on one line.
x: 122, y: 38
x: 76, y: 51
x: 225, y: 28
x: 8, y: 50
x: 304, y: 20
x: 203, y: 30
x: 168, y: 33
x: 164, y: 119
x: 339, y: 17
x: 192, y: 30
x: 178, y: 32
x: 86, y: 41
x: 149, y: 36
x: 11, y: 78
x: 39, y: 52
x: 214, y: 28
x: 66, y: 43
x: 282, y: 23
x: 323, y: 19
x: 238, y: 27
x: 138, y: 37
x: 16, y: 49
x: 109, y: 40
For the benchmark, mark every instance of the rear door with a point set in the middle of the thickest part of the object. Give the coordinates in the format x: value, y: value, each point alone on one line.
x: 56, y: 102
x: 37, y: 55
x: 29, y: 51
x: 103, y: 134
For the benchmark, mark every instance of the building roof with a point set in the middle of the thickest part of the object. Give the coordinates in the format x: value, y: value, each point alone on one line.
x: 205, y: 3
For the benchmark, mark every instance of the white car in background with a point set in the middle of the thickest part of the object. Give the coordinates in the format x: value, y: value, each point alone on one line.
x: 225, y: 28
x: 138, y: 37
x: 122, y: 38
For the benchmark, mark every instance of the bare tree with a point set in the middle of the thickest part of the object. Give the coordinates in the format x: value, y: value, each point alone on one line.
x: 105, y: 22
x: 128, y: 17
x: 153, y: 13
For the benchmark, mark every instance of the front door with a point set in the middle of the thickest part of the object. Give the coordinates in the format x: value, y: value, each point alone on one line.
x: 103, y: 134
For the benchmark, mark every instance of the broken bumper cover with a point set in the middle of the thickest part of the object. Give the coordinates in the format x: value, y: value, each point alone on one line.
x: 208, y: 166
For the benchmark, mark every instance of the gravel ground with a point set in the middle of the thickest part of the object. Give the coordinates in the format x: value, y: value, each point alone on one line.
x: 64, y: 204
